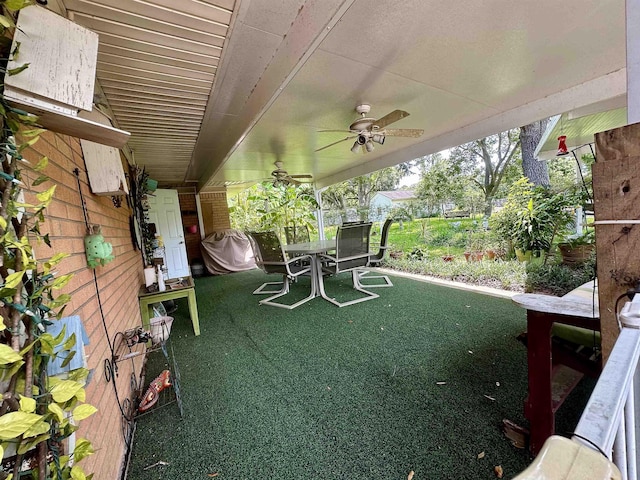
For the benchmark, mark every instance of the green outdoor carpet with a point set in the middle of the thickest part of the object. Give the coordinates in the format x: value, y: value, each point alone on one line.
x: 416, y: 380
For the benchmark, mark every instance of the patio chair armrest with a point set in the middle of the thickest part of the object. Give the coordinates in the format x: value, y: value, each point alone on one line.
x: 297, y: 259
x: 281, y: 264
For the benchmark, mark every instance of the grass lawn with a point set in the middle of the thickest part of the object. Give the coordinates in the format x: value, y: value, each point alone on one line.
x: 436, y: 236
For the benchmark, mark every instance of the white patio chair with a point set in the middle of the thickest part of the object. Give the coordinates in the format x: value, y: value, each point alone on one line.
x: 270, y: 257
x: 352, y: 254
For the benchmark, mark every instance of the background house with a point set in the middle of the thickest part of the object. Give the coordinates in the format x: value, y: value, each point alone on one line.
x: 383, y: 203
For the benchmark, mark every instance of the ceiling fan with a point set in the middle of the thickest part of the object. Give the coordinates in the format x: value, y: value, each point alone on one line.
x: 367, y: 130
x: 281, y: 177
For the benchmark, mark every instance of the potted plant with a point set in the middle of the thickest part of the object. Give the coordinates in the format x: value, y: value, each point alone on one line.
x: 477, y: 241
x: 544, y: 217
x: 577, y: 249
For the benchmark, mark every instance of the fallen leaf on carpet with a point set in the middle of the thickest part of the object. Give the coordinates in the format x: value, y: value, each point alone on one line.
x: 410, y: 476
x: 498, y: 471
x: 468, y: 306
x: 381, y: 328
x: 350, y: 321
x: 470, y: 352
x: 441, y: 383
x: 490, y: 398
x: 481, y: 455
x: 515, y: 433
x: 213, y: 474
x: 497, y: 384
x: 156, y: 464
x: 328, y: 388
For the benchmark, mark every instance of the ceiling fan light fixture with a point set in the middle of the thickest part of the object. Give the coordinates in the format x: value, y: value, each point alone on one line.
x: 378, y: 138
x: 369, y: 146
x: 356, y: 147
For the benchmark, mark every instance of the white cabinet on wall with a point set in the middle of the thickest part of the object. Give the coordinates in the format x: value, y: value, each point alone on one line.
x: 60, y: 78
x: 104, y: 165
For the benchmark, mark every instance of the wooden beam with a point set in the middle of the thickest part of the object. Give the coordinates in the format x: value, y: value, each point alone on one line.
x: 616, y: 190
x: 73, y: 125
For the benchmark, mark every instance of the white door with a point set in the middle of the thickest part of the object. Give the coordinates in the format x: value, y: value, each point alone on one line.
x: 164, y: 211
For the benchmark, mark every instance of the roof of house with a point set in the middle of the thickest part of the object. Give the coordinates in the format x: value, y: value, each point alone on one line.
x: 399, y: 195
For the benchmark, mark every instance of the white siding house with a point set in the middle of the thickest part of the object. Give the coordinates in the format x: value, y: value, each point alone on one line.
x: 383, y: 202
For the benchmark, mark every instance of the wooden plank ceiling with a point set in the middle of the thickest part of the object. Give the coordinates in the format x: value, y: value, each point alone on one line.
x: 157, y: 63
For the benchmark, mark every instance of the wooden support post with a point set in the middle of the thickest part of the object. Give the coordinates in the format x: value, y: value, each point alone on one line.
x: 616, y: 190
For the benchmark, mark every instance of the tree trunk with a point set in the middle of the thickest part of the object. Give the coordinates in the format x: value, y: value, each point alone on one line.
x: 536, y: 171
x: 488, y: 206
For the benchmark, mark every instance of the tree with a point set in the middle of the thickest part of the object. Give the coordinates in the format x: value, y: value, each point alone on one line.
x: 357, y: 192
x: 535, y: 170
x: 440, y: 183
x: 487, y: 160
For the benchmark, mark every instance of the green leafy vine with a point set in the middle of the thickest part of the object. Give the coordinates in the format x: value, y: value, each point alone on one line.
x: 37, y: 412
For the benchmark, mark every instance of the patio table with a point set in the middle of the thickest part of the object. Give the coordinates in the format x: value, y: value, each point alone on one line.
x: 549, y: 385
x: 314, y: 249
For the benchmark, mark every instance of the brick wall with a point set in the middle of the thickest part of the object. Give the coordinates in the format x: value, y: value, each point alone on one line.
x: 189, y: 215
x: 117, y: 284
x: 215, y: 212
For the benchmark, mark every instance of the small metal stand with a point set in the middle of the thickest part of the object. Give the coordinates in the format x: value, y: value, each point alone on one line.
x: 129, y: 345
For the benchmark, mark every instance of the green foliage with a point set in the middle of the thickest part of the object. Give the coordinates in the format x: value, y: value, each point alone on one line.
x: 588, y: 237
x: 34, y: 407
x: 488, y: 161
x: 556, y: 278
x: 268, y: 207
x: 437, y: 236
x: 533, y: 216
x: 499, y: 274
x: 440, y: 183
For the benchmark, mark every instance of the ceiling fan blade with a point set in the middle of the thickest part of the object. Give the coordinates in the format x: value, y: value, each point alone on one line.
x: 335, y: 143
x: 334, y: 131
x: 403, y: 132
x: 300, y: 176
x: 389, y: 118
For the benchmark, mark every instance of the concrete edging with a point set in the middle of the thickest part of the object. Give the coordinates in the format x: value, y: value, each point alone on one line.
x: 494, y: 292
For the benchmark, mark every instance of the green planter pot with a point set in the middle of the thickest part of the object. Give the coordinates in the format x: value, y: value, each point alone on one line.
x: 523, y: 256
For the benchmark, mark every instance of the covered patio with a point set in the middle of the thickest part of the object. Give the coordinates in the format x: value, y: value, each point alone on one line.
x: 419, y: 380
x: 212, y: 96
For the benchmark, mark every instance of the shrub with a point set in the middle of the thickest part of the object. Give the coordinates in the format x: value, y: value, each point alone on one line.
x: 556, y: 278
x: 498, y: 274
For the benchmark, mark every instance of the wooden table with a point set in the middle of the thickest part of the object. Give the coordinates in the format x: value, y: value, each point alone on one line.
x: 185, y: 290
x: 578, y: 308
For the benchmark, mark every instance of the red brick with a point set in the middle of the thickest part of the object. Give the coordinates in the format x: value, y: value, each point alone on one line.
x: 118, y: 284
